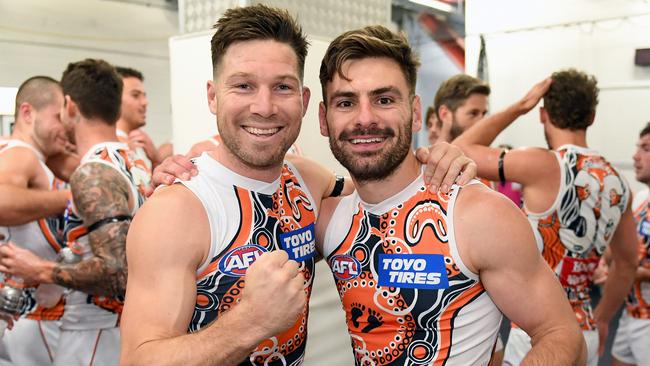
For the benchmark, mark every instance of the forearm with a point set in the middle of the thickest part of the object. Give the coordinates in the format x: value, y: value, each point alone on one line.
x: 213, y: 345
x: 22, y: 205
x: 616, y: 287
x: 643, y: 274
x: 560, y: 346
x: 486, y: 130
x: 96, y: 276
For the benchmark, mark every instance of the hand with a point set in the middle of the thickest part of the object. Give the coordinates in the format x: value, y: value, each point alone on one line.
x: 139, y: 139
x: 530, y: 100
x: 175, y: 166
x: 9, y: 319
x: 21, y: 263
x: 444, y: 164
x: 274, y: 293
x: 601, y: 272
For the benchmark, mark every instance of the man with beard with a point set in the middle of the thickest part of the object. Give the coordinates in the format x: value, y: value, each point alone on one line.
x: 238, y: 274
x: 576, y: 202
x: 33, y: 205
x: 421, y: 273
x: 631, y: 342
x: 460, y: 102
x: 105, y: 198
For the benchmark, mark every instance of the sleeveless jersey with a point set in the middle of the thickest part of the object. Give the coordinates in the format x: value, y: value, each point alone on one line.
x: 408, y: 296
x: 140, y: 154
x: 248, y: 217
x: 84, y: 311
x: 638, y: 301
x: 293, y: 149
x: 44, y: 237
x: 573, y: 234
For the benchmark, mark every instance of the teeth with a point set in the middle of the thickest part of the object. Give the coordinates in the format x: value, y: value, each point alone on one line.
x: 367, y: 141
x: 261, y: 131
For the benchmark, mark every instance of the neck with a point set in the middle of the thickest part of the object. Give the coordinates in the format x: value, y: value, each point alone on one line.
x: 123, y: 125
x: 92, y: 132
x: 19, y: 134
x: 376, y: 191
x: 561, y: 137
x: 266, y: 174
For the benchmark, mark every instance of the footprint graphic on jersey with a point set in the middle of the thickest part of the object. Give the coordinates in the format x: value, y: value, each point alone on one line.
x: 356, y: 312
x: 374, y: 320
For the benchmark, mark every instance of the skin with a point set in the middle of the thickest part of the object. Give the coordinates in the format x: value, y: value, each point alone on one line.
x: 454, y: 122
x: 259, y: 102
x: 540, y: 186
x: 99, y: 192
x: 502, y: 251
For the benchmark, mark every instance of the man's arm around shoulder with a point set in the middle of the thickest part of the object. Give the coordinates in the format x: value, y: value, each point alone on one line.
x: 496, y: 241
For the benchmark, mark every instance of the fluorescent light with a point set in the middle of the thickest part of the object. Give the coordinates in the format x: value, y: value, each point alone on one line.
x: 435, y: 4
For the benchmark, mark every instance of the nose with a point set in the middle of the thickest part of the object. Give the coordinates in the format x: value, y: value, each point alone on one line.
x: 263, y: 105
x: 145, y: 101
x: 636, y: 156
x: 366, y: 115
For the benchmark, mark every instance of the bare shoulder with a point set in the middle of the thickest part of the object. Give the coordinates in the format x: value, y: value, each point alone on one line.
x: 489, y: 227
x: 172, y: 218
x: 18, y: 166
x: 328, y: 206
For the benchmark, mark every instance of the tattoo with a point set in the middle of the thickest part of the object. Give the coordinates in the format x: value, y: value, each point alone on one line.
x: 99, y: 191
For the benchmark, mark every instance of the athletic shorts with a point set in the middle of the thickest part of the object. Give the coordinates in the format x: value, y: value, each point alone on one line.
x: 32, y: 342
x: 93, y: 347
x: 632, y: 341
x: 518, y: 346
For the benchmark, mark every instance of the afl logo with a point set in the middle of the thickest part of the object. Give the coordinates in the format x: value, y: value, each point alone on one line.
x: 345, y: 267
x: 236, y: 262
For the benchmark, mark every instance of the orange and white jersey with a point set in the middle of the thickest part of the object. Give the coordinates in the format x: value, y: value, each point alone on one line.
x: 638, y: 301
x: 140, y: 154
x: 44, y: 237
x: 293, y: 149
x: 84, y: 311
x: 247, y: 218
x: 409, y: 298
x: 575, y: 231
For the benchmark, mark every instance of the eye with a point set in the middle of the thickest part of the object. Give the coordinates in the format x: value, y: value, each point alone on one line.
x: 344, y: 104
x: 243, y: 86
x: 284, y: 87
x: 384, y: 100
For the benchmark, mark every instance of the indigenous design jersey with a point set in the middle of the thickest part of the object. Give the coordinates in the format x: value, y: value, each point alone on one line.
x: 573, y: 234
x: 293, y: 149
x: 638, y: 301
x: 44, y: 237
x: 409, y: 298
x: 82, y: 310
x: 247, y: 218
x: 142, y: 176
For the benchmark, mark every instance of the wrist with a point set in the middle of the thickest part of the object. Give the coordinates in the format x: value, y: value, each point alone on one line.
x: 242, y: 316
x: 46, y: 271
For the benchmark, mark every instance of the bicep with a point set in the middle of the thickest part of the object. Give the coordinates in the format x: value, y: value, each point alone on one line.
x: 624, y: 242
x: 162, y: 264
x: 17, y: 168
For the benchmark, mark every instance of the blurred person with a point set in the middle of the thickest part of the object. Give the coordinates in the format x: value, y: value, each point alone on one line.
x: 576, y: 202
x: 105, y: 197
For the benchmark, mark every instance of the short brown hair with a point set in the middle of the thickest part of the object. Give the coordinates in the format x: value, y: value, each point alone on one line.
x: 38, y: 91
x: 454, y: 91
x: 258, y: 22
x: 371, y: 41
x: 645, y: 130
x: 572, y: 99
x: 96, y: 88
x: 127, y: 72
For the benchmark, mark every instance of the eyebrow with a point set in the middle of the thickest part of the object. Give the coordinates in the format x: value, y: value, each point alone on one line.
x: 280, y: 77
x: 373, y: 93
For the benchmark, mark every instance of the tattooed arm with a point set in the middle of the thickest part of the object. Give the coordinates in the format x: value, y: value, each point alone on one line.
x: 99, y: 192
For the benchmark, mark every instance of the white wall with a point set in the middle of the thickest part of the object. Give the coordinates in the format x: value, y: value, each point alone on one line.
x: 528, y: 40
x: 40, y: 37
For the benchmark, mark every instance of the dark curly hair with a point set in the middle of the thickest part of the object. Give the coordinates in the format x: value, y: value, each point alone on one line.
x: 572, y: 99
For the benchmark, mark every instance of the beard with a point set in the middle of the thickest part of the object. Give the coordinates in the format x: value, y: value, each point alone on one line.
x: 254, y: 156
x: 376, y: 165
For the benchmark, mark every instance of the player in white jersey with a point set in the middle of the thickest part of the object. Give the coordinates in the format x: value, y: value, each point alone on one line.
x: 576, y: 202
x: 106, y: 192
x: 421, y: 273
x: 38, y: 134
